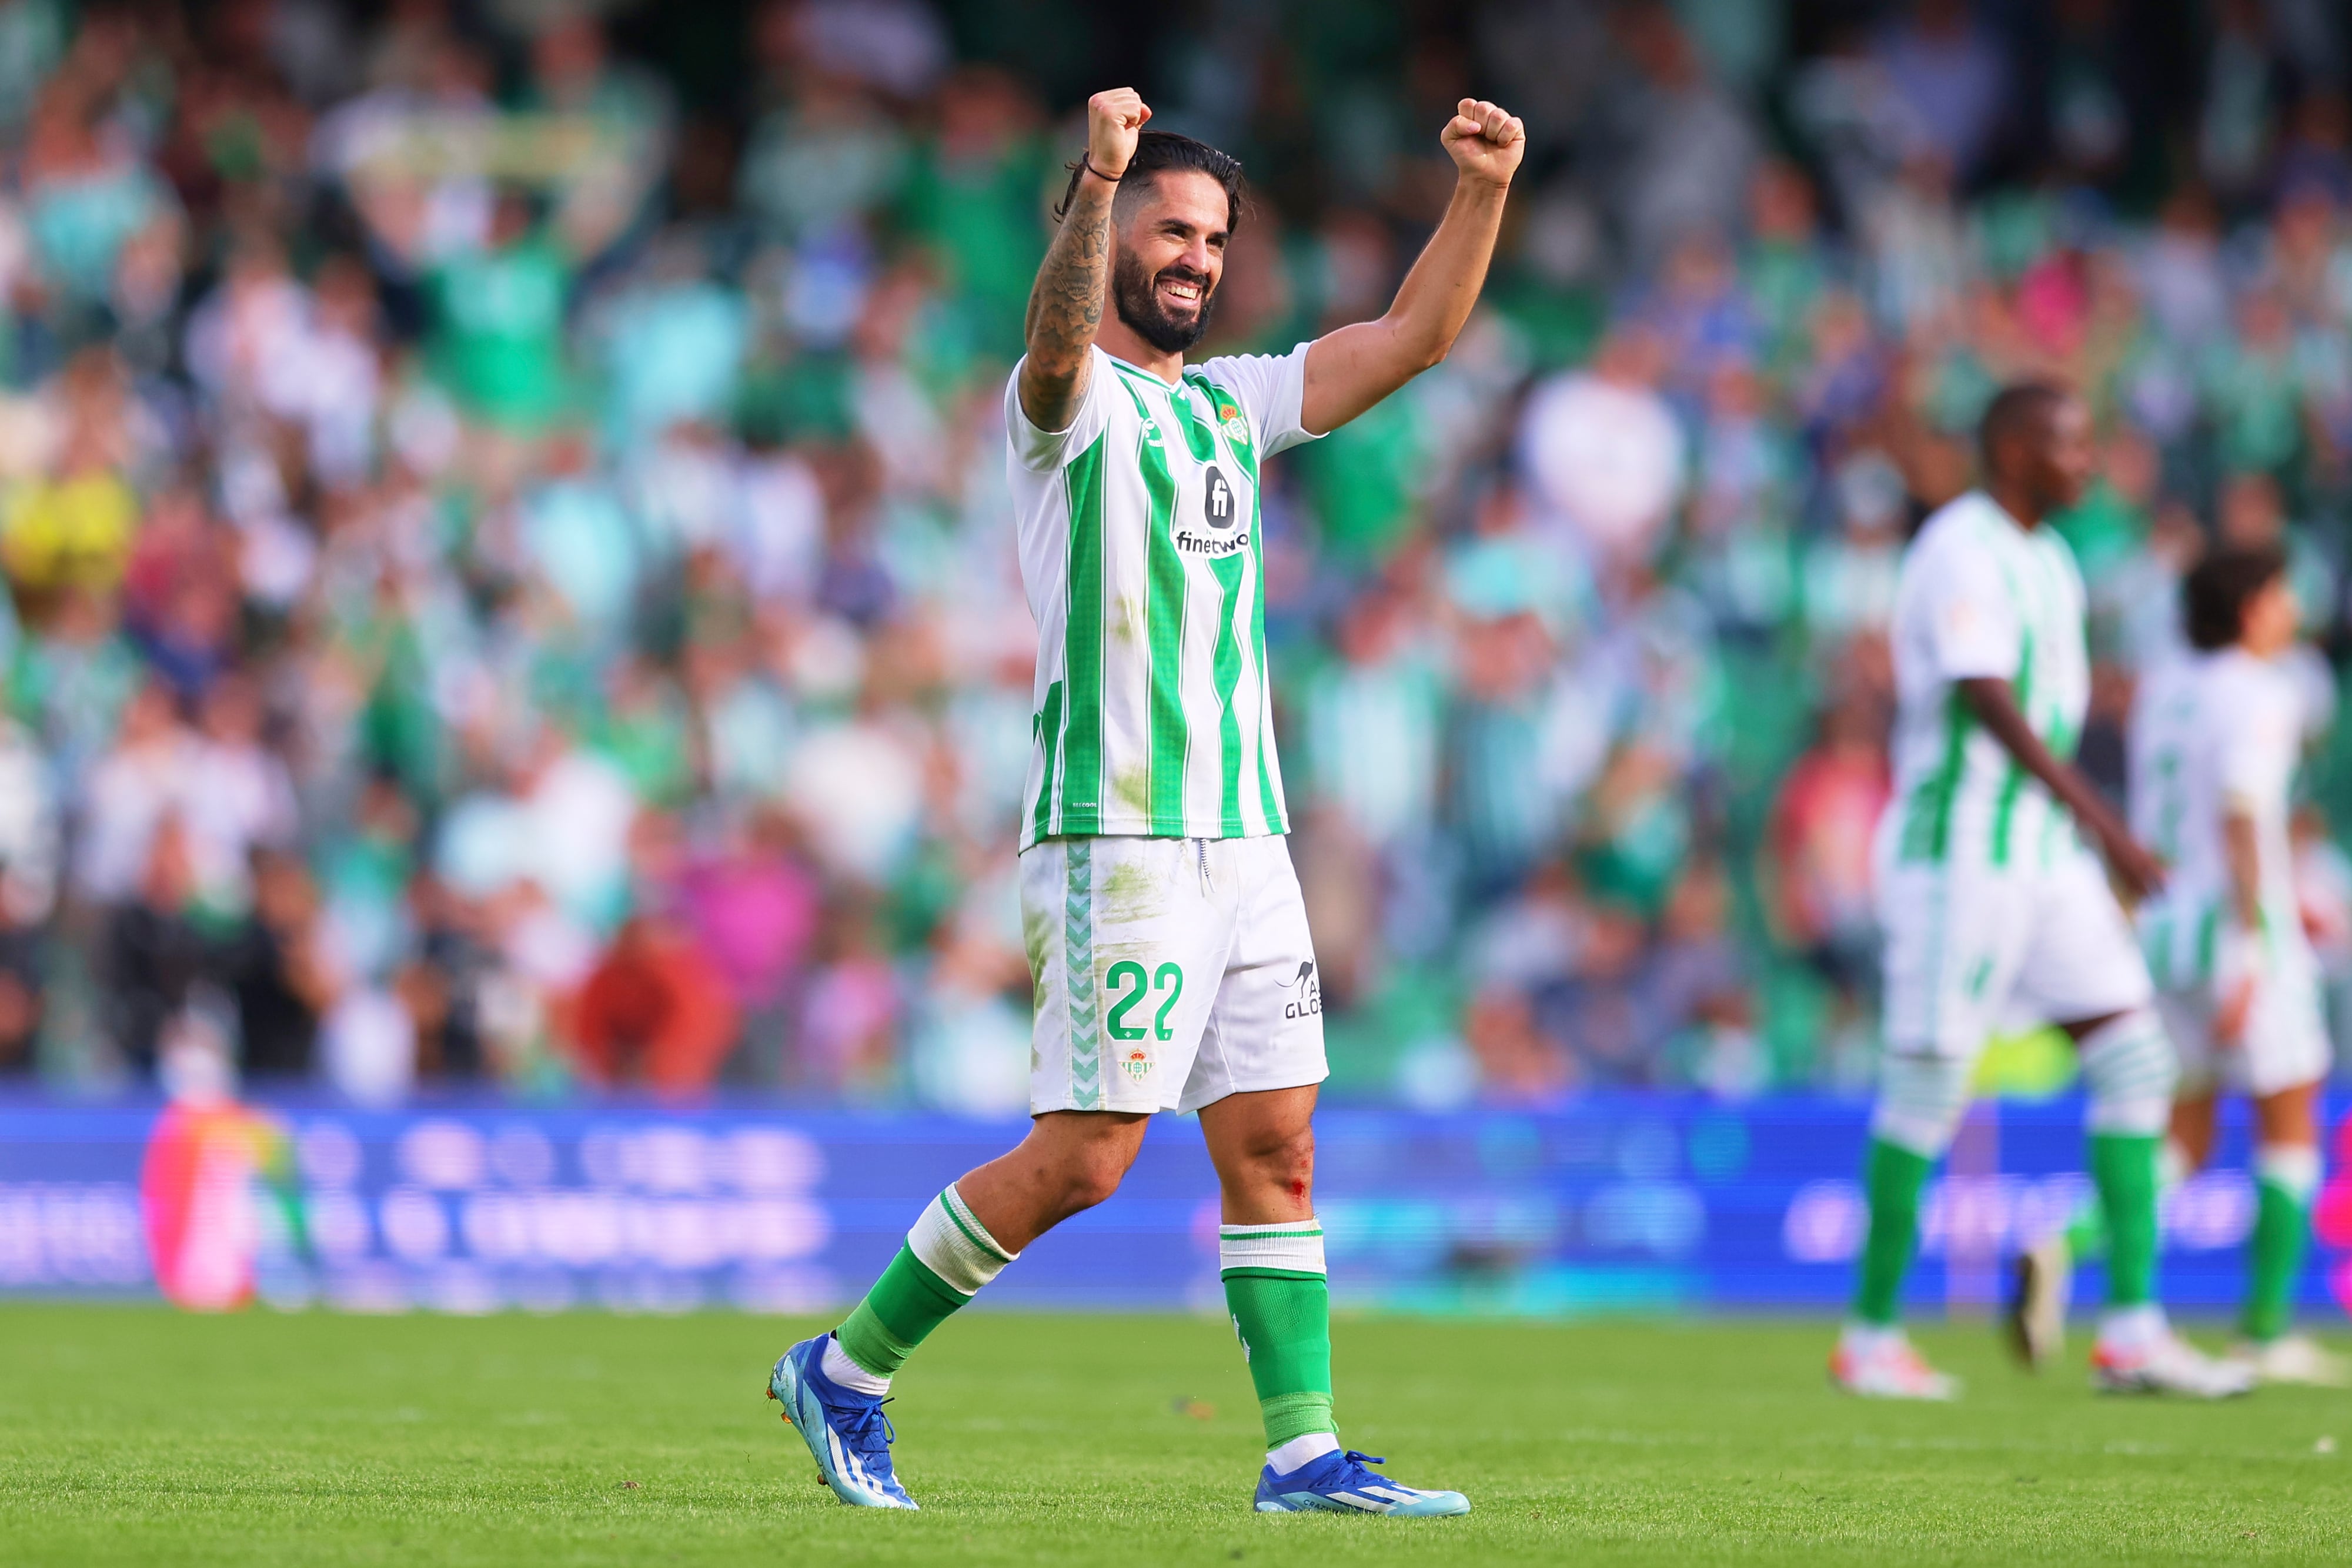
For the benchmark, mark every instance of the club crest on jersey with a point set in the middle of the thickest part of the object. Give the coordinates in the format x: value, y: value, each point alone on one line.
x: 1237, y: 428
x: 1138, y: 1062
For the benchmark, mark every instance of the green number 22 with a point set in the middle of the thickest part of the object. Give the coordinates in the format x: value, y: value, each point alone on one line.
x: 1128, y: 973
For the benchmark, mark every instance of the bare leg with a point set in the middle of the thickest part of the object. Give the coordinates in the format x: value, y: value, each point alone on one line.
x: 2290, y: 1118
x: 1071, y: 1161
x: 2192, y: 1127
x: 1263, y: 1145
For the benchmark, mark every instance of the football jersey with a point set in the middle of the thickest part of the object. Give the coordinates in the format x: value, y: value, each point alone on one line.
x: 2211, y: 734
x: 1979, y: 595
x: 1143, y: 555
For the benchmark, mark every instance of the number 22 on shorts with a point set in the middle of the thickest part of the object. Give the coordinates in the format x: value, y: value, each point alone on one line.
x: 1128, y: 984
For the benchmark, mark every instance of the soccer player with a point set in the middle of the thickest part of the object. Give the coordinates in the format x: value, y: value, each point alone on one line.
x: 2215, y: 740
x: 1989, y: 896
x: 1166, y: 935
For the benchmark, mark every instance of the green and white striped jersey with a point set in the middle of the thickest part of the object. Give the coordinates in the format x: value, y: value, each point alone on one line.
x: 2212, y: 733
x: 1141, y: 550
x: 1979, y: 595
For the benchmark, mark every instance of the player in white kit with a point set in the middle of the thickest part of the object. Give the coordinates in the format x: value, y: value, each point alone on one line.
x: 2216, y: 737
x: 1166, y: 930
x: 1989, y: 896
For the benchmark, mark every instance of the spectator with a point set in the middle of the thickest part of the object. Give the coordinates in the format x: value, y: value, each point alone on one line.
x: 431, y: 536
x: 653, y: 1013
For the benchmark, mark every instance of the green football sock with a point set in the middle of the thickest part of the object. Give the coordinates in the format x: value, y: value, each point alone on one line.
x: 1281, y: 1306
x: 942, y: 1264
x: 2086, y: 1233
x: 2287, y: 1178
x: 2123, y: 1168
x: 1896, y: 1177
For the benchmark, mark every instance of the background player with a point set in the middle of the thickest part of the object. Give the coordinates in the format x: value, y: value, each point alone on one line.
x: 1167, y: 935
x: 1989, y: 896
x: 2215, y: 740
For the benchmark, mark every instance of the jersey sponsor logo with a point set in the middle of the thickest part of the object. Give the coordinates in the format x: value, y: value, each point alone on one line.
x: 1219, y: 505
x: 1309, y: 1000
x: 1191, y: 543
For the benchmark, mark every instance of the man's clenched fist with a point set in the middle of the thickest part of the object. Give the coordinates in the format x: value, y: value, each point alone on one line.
x: 1485, y: 140
x: 1113, y: 119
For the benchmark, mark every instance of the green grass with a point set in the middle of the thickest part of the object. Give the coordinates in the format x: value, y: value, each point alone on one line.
x: 133, y: 1435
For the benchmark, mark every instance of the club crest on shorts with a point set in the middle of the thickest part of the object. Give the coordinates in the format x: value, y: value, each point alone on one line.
x: 1138, y: 1062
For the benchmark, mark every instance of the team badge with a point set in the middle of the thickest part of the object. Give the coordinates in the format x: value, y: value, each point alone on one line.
x: 1236, y: 427
x: 1138, y: 1062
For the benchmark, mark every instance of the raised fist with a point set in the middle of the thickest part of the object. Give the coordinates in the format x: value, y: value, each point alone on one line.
x: 1113, y: 119
x: 1484, y: 140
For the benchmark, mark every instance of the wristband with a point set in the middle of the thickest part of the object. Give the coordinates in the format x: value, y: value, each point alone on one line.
x: 1087, y: 164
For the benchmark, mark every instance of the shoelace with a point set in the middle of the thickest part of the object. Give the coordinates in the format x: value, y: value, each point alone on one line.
x: 1358, y: 1458
x: 859, y: 1428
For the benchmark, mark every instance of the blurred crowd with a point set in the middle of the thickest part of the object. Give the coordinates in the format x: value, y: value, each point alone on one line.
x: 510, y: 574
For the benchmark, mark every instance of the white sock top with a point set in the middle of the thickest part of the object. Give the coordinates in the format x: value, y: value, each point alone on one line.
x: 837, y: 1366
x: 1299, y: 1451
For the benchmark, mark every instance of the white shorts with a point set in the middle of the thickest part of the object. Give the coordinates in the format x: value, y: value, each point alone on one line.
x: 2283, y: 1046
x: 1169, y: 973
x: 1970, y: 948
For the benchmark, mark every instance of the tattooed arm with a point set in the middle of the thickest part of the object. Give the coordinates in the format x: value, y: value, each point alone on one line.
x: 1065, y: 304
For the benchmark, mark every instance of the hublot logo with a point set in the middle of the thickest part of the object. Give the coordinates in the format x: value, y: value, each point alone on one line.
x: 1218, y: 504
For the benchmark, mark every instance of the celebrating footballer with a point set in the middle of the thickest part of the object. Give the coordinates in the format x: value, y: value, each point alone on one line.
x: 1167, y: 938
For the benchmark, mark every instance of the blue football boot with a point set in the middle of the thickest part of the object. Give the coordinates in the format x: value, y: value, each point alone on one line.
x: 1340, y: 1483
x: 845, y: 1430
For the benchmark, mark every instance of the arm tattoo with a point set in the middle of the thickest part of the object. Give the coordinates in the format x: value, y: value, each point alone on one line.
x: 1065, y: 307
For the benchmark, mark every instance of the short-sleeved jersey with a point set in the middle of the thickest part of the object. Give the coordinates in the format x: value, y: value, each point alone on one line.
x: 1980, y: 596
x: 2212, y: 734
x: 1141, y: 550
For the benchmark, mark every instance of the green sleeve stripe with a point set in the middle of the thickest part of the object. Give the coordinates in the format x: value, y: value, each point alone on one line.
x: 1082, y: 638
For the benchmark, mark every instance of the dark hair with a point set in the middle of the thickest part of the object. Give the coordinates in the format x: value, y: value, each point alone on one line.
x: 2012, y: 409
x: 2214, y: 595
x: 1157, y: 151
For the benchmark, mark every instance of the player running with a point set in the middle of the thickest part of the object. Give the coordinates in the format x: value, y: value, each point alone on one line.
x: 1989, y: 896
x: 1167, y: 938
x: 2215, y: 739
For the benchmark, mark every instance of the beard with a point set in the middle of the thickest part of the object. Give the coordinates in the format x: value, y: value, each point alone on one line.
x: 1135, y: 295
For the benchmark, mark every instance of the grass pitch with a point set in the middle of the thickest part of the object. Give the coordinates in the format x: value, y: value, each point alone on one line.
x: 133, y: 1435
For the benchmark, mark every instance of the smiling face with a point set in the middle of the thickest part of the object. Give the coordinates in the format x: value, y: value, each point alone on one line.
x: 1168, y: 255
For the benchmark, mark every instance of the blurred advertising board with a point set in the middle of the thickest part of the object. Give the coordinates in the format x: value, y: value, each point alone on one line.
x: 1612, y: 1203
